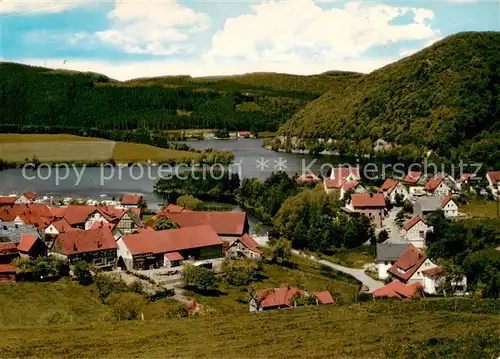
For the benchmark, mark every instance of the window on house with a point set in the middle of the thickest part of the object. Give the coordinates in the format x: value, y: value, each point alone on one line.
x: 422, y: 234
x: 98, y: 261
x: 386, y: 263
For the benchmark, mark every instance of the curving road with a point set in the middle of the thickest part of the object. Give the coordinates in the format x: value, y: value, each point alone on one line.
x: 359, y: 274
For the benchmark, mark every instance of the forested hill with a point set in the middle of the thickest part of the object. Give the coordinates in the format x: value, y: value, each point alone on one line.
x: 35, y: 99
x: 445, y: 98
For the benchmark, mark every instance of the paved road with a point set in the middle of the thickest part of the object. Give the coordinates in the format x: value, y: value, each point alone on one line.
x: 359, y: 274
x: 392, y: 228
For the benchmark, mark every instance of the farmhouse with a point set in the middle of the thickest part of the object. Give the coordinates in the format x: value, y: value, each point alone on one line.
x: 437, y: 186
x: 465, y: 180
x: 371, y: 205
x: 429, y: 204
x: 494, y: 183
x: 277, y: 298
x: 12, y: 232
x: 394, y: 188
x: 96, y: 246
x: 342, y: 186
x: 244, y: 247
x: 31, y: 246
x: 415, y: 231
x: 228, y: 225
x: 148, y: 249
x: 387, y: 255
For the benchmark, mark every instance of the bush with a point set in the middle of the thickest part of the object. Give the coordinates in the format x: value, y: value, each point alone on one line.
x: 127, y: 306
x: 107, y: 285
x: 41, y: 268
x: 382, y: 236
x: 177, y: 311
x: 83, y: 272
x: 240, y: 272
x: 199, y: 277
x: 281, y: 251
x: 364, y: 297
x: 191, y: 203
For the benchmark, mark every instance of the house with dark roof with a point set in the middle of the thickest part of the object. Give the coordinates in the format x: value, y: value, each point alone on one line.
x: 96, y: 246
x: 494, y: 183
x: 429, y: 204
x: 31, y: 246
x: 371, y: 205
x: 12, y: 231
x: 154, y: 249
x: 415, y: 230
x: 244, y: 247
x: 387, y: 255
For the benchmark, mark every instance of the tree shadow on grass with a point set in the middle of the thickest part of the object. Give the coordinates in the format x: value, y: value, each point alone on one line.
x: 207, y: 292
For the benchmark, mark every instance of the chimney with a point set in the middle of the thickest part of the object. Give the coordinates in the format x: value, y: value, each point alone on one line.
x: 75, y: 248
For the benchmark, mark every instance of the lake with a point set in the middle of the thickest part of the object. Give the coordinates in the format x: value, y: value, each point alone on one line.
x: 250, y: 158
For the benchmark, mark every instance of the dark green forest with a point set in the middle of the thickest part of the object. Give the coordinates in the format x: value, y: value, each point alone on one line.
x: 444, y: 98
x: 40, y: 100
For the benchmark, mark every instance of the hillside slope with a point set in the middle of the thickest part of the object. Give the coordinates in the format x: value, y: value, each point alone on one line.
x: 59, y: 100
x: 445, y: 98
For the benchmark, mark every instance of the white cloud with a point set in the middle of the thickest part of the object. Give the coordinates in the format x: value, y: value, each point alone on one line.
x: 463, y: 1
x: 153, y: 27
x: 276, y: 31
x: 26, y: 7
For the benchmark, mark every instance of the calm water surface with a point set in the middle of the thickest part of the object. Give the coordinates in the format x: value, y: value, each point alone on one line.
x: 98, y: 182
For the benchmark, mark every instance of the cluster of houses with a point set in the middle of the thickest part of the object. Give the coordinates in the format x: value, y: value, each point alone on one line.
x: 427, y: 194
x: 115, y: 236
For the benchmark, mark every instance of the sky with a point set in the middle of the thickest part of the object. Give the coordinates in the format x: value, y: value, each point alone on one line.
x: 127, y: 39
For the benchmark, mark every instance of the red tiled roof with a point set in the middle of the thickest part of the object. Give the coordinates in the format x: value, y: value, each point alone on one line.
x: 334, y: 183
x: 58, y: 212
x: 409, y: 224
x: 7, y: 200
x: 466, y: 176
x: 389, y: 185
x: 413, y: 177
x: 8, y: 248
x: 250, y: 243
x: 324, y: 297
x: 62, y: 226
x: 350, y: 185
x: 344, y: 172
x: 224, y: 223
x: 136, y: 211
x: 433, y: 183
x: 281, y: 296
x: 363, y: 200
x: 174, y: 256
x: 433, y: 272
x: 76, y: 214
x: 27, y: 241
x: 30, y: 195
x: 409, y: 261
x: 494, y: 177
x: 446, y: 200
x: 81, y: 241
x: 7, y: 268
x: 97, y: 225
x: 397, y: 289
x: 172, y: 240
x: 131, y: 199
x: 38, y: 214
x: 143, y: 230
x: 173, y: 208
x: 308, y: 177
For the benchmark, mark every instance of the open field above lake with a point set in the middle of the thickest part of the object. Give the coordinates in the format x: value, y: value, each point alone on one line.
x: 22, y: 148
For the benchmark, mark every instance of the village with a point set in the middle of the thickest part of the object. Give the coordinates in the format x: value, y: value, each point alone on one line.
x: 115, y: 236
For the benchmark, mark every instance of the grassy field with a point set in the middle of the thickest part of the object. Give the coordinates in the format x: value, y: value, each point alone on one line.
x: 69, y: 148
x: 480, y: 209
x: 305, y: 274
x: 354, y: 258
x: 411, y: 329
